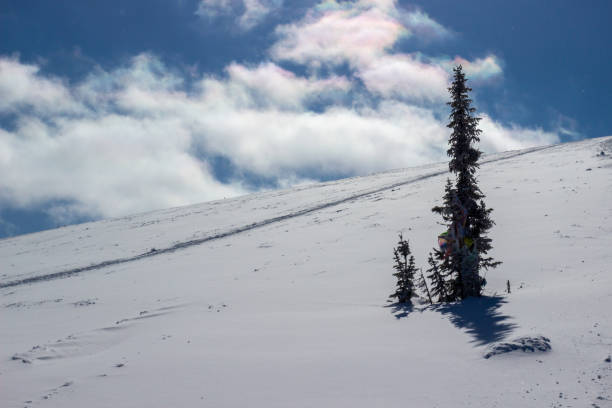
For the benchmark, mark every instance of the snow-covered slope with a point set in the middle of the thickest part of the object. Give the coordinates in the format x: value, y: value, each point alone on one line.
x: 278, y: 299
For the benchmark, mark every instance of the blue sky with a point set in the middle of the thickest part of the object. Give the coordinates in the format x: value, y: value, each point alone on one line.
x: 114, y: 107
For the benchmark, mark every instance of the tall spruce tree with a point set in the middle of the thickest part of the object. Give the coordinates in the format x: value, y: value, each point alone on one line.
x: 404, y: 271
x: 463, y: 210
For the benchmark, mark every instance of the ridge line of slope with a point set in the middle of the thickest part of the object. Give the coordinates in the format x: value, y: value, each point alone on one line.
x: 234, y: 231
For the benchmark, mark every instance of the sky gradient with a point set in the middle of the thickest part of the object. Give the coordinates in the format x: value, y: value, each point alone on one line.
x: 113, y: 107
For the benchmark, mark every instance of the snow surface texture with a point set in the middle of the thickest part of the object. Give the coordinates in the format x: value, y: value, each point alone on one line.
x: 279, y: 299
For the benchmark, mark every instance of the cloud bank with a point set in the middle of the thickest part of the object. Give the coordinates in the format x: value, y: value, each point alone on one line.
x: 141, y: 136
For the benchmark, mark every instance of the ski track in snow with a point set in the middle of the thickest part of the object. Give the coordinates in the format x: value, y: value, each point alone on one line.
x: 186, y: 244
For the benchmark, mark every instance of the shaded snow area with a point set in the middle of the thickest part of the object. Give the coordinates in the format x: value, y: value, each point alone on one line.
x: 279, y: 299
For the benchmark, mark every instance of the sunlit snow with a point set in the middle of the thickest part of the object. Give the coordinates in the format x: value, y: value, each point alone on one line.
x: 279, y: 299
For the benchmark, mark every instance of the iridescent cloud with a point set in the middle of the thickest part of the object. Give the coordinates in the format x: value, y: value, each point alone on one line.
x: 337, y: 35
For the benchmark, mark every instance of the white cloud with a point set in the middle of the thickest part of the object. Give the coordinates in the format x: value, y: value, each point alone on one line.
x: 214, y: 8
x: 270, y: 85
x: 479, y: 69
x: 21, y: 87
x: 248, y: 13
x: 568, y: 127
x: 338, y: 141
x: 406, y: 78
x: 424, y: 26
x: 110, y: 164
x: 499, y: 138
x: 124, y: 141
x: 255, y: 11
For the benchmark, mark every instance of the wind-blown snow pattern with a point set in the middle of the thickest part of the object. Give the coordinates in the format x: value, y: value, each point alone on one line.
x: 279, y: 299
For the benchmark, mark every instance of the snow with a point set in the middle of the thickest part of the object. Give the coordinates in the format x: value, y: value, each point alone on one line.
x: 279, y: 298
x: 532, y: 344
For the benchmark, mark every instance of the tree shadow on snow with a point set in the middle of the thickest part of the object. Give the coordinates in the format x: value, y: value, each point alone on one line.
x: 400, y: 310
x: 479, y: 317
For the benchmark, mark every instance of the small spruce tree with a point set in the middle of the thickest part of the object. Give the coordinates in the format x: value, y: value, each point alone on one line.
x: 440, y: 285
x: 404, y: 271
x: 422, y: 284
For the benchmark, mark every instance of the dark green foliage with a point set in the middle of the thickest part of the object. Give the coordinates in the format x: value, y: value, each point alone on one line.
x: 448, y: 264
x: 422, y: 284
x: 441, y: 286
x: 449, y: 209
x: 464, y: 156
x: 405, y: 269
x: 463, y: 209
